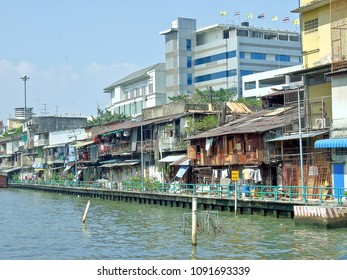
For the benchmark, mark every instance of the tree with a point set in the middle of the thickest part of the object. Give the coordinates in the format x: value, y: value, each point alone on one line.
x: 200, y: 96
x: 105, y: 117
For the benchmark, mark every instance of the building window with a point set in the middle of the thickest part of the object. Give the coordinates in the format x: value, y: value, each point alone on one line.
x: 150, y: 88
x: 282, y: 57
x: 189, y: 44
x: 137, y: 91
x: 242, y: 32
x: 189, y: 79
x: 250, y: 85
x: 311, y: 26
x: 143, y: 90
x: 214, y: 76
x: 245, y: 72
x: 226, y: 34
x: 216, y: 57
x: 189, y: 62
x: 257, y: 34
x: 258, y: 56
x: 242, y: 54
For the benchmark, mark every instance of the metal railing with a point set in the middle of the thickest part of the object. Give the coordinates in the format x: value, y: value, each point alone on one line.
x: 245, y: 192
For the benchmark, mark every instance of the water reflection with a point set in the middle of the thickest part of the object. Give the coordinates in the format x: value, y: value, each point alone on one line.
x: 37, y: 225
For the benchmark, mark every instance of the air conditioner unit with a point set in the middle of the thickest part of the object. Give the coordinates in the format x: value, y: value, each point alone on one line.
x: 321, y: 123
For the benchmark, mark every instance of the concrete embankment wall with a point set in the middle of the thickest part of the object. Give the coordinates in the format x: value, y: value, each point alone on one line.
x: 323, y: 216
x: 244, y: 205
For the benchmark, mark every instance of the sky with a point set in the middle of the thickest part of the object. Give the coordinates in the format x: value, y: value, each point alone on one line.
x: 72, y: 49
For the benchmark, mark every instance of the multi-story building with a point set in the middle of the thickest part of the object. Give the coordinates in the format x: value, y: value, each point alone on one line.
x: 218, y: 56
x: 323, y: 26
x: 142, y: 89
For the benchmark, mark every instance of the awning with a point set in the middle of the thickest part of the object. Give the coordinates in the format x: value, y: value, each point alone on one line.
x: 182, y: 161
x: 11, y: 170
x: 123, y: 163
x: 331, y: 143
x: 171, y: 158
x: 183, y: 169
x: 297, y: 136
x: 112, y: 132
x: 5, y: 156
x: 68, y: 167
x: 82, y: 144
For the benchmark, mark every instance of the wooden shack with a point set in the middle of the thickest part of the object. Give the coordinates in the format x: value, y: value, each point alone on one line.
x: 3, y: 181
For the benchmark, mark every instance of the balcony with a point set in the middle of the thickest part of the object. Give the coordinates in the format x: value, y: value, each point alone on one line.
x: 172, y: 144
x: 41, y: 142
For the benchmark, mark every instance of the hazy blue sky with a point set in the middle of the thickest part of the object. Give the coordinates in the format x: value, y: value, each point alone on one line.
x: 73, y: 49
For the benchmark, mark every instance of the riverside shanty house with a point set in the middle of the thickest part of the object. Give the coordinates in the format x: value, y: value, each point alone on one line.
x: 152, y: 144
x: 263, y: 146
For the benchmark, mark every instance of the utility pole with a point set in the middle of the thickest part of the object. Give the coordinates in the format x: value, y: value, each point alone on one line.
x: 25, y: 78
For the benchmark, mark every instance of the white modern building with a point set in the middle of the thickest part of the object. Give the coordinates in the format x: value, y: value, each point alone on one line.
x: 142, y: 89
x: 218, y: 56
x: 260, y: 84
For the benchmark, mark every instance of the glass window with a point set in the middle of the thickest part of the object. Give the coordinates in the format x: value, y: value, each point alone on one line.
x: 242, y: 54
x: 258, y: 56
x: 242, y: 32
x: 245, y: 72
x: 189, y: 44
x: 150, y: 88
x: 189, y: 62
x: 282, y: 57
x: 189, y: 79
x: 215, y: 57
x: 250, y: 85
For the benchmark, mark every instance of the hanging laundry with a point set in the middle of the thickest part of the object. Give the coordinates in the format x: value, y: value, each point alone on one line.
x: 208, y: 146
x: 257, y: 176
x: 224, y: 173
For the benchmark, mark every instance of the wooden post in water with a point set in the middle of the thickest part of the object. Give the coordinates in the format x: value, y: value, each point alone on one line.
x: 236, y: 194
x: 194, y: 220
x: 86, y: 212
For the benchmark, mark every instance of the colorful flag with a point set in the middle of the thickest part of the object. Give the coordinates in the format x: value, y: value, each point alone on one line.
x: 274, y: 18
x: 223, y: 13
x: 250, y: 15
x: 286, y: 19
x: 261, y: 16
x: 236, y: 13
x: 296, y: 21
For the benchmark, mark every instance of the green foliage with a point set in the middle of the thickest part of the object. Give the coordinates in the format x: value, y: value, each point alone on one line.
x: 217, y: 96
x: 179, y: 98
x: 149, y: 183
x: 105, y: 117
x: 203, y: 124
x: 252, y: 103
x: 13, y: 132
x: 203, y: 97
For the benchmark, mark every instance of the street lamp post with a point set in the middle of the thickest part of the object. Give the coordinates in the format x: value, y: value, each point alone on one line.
x: 300, y: 137
x: 25, y: 78
x: 142, y: 165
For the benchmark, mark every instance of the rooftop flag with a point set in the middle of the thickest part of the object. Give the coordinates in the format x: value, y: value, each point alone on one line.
x: 296, y: 21
x: 286, y: 19
x: 261, y: 15
x: 223, y: 13
x: 250, y: 15
x: 274, y: 18
x: 236, y: 13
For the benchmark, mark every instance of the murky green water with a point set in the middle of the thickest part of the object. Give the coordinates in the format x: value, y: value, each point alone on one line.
x: 43, y: 226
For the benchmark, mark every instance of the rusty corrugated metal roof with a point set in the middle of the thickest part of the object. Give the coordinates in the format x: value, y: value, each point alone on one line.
x: 256, y: 122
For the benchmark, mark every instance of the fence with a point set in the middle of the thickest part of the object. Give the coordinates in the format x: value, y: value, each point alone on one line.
x: 245, y: 192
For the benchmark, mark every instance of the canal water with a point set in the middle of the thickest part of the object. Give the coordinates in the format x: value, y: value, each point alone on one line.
x: 45, y: 226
